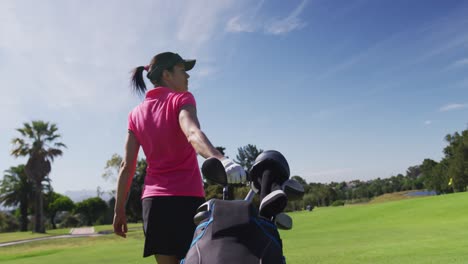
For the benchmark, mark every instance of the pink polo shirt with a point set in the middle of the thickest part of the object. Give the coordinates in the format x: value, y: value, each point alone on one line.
x: 172, y: 161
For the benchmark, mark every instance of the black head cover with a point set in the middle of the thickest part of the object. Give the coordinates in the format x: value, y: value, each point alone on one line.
x: 213, y: 170
x: 269, y: 160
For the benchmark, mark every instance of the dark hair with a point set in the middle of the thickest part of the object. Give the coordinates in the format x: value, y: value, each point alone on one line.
x: 138, y: 84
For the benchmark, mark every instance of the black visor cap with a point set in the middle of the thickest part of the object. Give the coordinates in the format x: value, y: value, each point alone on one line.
x: 167, y: 60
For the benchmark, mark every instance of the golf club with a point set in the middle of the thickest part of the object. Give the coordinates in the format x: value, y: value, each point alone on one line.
x: 293, y: 189
x: 251, y: 234
x: 271, y: 208
x: 283, y: 221
x: 213, y: 170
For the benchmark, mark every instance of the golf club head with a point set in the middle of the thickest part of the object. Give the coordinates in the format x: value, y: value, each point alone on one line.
x: 273, y: 204
x: 201, y: 216
x: 206, y: 206
x: 293, y: 189
x: 213, y: 170
x: 283, y: 221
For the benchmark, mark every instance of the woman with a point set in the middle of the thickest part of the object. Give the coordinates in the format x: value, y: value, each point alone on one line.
x: 166, y: 126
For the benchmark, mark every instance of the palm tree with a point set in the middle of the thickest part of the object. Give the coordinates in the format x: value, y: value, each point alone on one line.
x: 16, y: 189
x: 39, y: 144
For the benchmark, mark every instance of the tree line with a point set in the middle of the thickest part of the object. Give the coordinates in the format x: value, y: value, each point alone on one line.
x: 27, y: 187
x: 448, y: 175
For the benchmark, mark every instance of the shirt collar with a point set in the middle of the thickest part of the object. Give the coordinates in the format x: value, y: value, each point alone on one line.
x: 156, y: 91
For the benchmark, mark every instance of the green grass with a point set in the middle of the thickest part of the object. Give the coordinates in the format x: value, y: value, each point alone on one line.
x: 104, y: 249
x: 14, y: 236
x: 424, y: 230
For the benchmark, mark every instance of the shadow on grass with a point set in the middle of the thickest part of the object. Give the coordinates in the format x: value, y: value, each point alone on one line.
x: 30, y: 255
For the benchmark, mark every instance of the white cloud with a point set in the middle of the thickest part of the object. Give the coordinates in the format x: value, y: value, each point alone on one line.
x: 199, y: 21
x: 65, y: 55
x: 428, y: 122
x: 451, y: 107
x: 247, y: 22
x: 251, y: 21
x: 71, y: 54
x: 289, y: 23
x: 70, y: 61
x: 236, y: 24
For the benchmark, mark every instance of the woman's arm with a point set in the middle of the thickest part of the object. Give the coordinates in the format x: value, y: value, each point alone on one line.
x: 189, y: 124
x: 127, y: 170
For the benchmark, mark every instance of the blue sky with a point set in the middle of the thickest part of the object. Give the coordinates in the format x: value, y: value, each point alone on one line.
x: 344, y: 89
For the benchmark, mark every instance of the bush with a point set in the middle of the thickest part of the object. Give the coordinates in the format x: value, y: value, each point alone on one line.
x: 70, y: 221
x: 294, y: 206
x: 91, y: 209
x: 8, y: 223
x: 338, y: 203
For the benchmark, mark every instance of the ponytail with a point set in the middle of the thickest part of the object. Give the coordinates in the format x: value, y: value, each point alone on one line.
x: 137, y: 82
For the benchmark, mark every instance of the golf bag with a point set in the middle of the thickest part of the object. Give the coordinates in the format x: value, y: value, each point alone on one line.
x: 234, y: 233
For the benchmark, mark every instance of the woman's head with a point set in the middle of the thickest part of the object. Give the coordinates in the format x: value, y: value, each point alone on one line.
x: 165, y: 69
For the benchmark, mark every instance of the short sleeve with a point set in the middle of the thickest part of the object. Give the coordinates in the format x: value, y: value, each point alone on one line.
x: 131, y: 124
x: 186, y: 98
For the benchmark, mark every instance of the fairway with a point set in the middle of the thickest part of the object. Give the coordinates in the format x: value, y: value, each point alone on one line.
x: 420, y: 230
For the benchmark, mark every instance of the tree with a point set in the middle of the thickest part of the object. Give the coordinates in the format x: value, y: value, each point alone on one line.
x: 56, y: 203
x: 246, y: 156
x: 91, y: 209
x: 375, y: 187
x: 38, y: 142
x: 111, y: 171
x: 133, y: 207
x: 299, y: 179
x: 413, y: 172
x: 16, y: 189
x: 430, y: 180
x: 311, y: 200
x: 457, y: 155
x: 440, y: 177
x: 397, y: 182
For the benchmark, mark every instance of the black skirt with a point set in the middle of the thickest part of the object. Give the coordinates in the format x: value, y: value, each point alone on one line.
x: 168, y: 224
